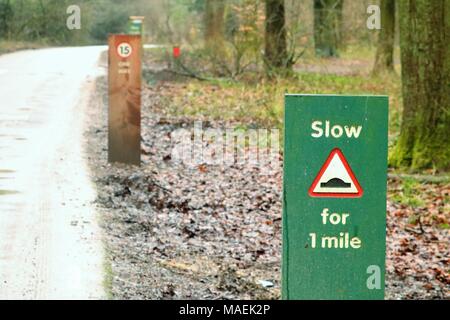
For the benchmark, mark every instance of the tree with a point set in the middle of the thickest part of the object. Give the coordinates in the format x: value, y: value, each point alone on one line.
x: 384, y: 59
x: 6, y: 13
x: 275, y: 53
x: 424, y: 140
x: 214, y: 23
x: 109, y: 19
x: 327, y: 26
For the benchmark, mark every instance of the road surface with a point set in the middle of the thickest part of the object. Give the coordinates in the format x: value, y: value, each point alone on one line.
x: 50, y: 242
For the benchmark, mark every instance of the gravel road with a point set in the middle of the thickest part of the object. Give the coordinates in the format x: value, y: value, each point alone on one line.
x: 50, y: 244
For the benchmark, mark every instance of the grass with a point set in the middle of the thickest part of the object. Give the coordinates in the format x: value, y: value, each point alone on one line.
x: 108, y: 276
x: 261, y: 103
x: 255, y: 100
x: 422, y: 198
x: 408, y: 194
x: 7, y: 192
x: 8, y: 46
x: 108, y: 273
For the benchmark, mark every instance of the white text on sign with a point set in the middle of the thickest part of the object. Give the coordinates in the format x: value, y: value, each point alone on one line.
x: 340, y: 241
x: 335, y: 131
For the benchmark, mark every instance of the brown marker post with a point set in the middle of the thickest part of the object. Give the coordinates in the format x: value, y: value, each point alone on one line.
x: 124, y: 117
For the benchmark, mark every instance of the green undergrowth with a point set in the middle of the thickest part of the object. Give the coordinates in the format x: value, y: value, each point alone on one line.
x: 7, y: 46
x: 424, y: 199
x: 260, y: 103
x: 407, y: 194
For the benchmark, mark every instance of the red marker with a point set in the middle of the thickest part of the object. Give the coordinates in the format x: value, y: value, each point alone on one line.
x: 176, y: 52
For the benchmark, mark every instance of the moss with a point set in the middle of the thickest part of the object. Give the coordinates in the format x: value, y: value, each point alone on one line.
x: 432, y: 154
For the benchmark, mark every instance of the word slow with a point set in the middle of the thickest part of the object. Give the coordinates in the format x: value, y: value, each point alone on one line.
x: 327, y: 130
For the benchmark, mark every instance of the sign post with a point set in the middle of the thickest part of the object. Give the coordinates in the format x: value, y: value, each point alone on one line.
x: 334, y: 203
x: 136, y: 25
x: 124, y: 117
x: 176, y: 52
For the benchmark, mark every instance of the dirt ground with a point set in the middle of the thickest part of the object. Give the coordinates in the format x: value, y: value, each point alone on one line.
x: 175, y: 231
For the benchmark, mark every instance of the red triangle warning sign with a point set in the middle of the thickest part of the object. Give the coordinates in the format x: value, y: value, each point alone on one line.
x: 336, y: 179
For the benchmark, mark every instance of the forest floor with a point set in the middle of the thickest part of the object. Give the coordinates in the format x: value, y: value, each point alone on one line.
x: 175, y: 230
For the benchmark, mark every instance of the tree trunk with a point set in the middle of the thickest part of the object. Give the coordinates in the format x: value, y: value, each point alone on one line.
x: 327, y: 27
x: 384, y: 60
x: 340, y: 32
x: 214, y: 23
x: 275, y: 53
x: 424, y: 140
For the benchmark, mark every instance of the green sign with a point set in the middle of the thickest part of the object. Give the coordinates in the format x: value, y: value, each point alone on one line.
x: 135, y: 27
x: 334, y: 203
